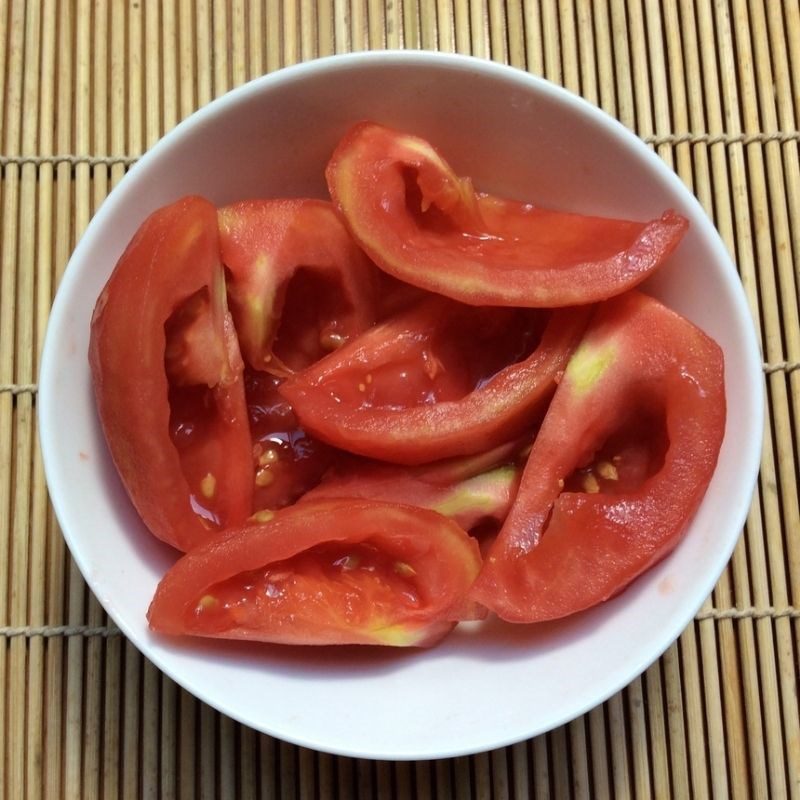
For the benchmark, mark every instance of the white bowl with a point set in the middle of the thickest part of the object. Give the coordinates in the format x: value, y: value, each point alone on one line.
x: 516, y: 135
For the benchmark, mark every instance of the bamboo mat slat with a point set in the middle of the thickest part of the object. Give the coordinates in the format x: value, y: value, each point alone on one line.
x: 88, y: 85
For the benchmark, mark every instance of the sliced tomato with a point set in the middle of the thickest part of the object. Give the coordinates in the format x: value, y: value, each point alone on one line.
x: 422, y: 223
x: 330, y: 572
x: 472, y: 490
x: 409, y: 391
x: 618, y: 468
x: 298, y: 287
x: 167, y: 376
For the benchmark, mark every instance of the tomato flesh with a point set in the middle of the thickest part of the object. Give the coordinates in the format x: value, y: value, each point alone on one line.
x: 473, y: 491
x: 287, y: 461
x: 313, y: 320
x: 194, y: 431
x: 161, y: 332
x: 298, y: 285
x: 342, y: 574
x: 622, y: 460
x: 419, y: 221
x: 195, y: 363
x: 628, y: 457
x: 326, y: 572
x: 408, y: 391
x: 434, y: 366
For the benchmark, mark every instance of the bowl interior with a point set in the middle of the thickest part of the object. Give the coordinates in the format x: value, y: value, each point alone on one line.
x: 487, y: 685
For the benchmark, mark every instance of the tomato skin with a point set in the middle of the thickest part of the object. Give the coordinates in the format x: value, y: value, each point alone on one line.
x: 268, y: 244
x: 420, y: 222
x: 637, y: 356
x: 420, y: 431
x: 173, y: 255
x: 439, y: 563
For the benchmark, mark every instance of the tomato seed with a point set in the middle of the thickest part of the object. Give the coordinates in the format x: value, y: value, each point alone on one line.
x: 208, y: 486
x: 590, y: 484
x: 605, y: 469
x: 269, y: 456
x: 264, y: 476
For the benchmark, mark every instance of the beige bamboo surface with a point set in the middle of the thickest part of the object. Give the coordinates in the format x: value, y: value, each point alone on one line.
x: 86, y: 87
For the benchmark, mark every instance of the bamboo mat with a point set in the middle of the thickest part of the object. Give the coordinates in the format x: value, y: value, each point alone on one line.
x: 87, y: 86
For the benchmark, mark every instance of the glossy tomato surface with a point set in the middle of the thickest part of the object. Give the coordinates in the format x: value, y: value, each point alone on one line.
x: 620, y: 464
x: 327, y: 572
x: 168, y: 378
x: 437, y: 380
x: 424, y: 224
x: 287, y: 461
x: 298, y: 285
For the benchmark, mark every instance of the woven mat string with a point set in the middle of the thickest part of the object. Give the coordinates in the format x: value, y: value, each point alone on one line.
x: 49, y: 631
x: 783, y: 137
x: 33, y: 388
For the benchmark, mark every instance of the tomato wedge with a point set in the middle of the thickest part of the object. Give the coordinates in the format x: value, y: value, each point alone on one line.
x: 167, y: 377
x: 420, y: 222
x: 299, y: 287
x: 330, y: 572
x: 620, y: 464
x: 409, y: 392
x: 472, y: 490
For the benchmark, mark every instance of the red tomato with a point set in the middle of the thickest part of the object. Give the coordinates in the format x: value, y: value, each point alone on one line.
x: 331, y: 572
x: 409, y: 391
x: 620, y: 464
x: 299, y: 287
x: 471, y: 490
x: 420, y: 222
x: 167, y: 376
x: 286, y: 460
